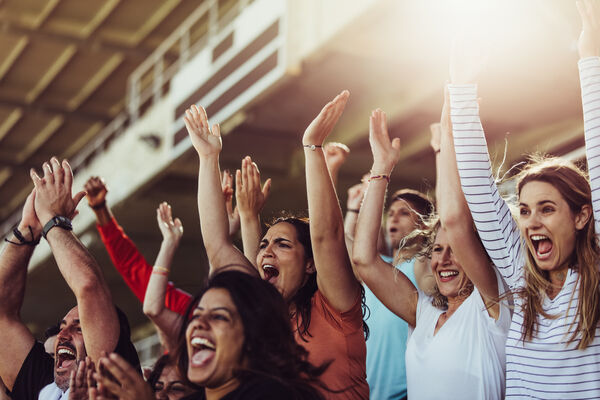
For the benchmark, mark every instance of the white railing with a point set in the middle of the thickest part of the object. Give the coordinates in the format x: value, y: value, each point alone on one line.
x: 153, y: 68
x: 148, y: 350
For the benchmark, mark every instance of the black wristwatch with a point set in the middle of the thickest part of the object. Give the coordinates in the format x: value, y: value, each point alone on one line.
x: 60, y: 221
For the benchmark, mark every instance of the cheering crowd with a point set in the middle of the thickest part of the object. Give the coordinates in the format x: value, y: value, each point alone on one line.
x: 470, y: 296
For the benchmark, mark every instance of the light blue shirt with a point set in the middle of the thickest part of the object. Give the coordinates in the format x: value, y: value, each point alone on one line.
x: 386, y: 346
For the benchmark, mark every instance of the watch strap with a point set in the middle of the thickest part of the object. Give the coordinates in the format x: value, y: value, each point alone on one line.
x: 58, y: 220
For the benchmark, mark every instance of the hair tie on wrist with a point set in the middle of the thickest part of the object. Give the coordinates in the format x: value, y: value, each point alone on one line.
x: 98, y: 206
x: 160, y: 270
x: 312, y: 146
x: 21, y: 238
x: 377, y: 177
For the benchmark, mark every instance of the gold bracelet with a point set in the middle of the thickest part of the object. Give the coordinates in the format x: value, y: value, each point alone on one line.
x: 163, y: 269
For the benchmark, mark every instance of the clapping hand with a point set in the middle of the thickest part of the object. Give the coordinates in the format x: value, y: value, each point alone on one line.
x: 96, y: 191
x: 171, y: 230
x: 589, y: 39
x: 249, y: 195
x: 53, y: 191
x: 205, y: 141
x: 386, y: 152
x: 323, y: 124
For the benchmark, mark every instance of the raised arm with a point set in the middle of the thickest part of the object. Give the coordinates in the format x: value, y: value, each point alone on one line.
x: 390, y: 286
x: 589, y: 74
x: 167, y: 322
x: 457, y: 221
x: 213, y: 215
x: 16, y: 338
x: 497, y: 229
x: 96, y: 191
x: 127, y: 259
x: 250, y: 199
x: 100, y: 326
x: 335, y: 278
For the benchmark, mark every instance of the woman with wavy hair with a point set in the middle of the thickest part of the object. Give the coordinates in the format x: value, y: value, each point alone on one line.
x: 458, y: 333
x: 549, y: 255
x: 235, y: 342
x: 307, y: 263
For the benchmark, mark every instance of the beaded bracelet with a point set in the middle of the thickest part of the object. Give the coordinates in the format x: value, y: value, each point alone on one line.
x: 376, y: 177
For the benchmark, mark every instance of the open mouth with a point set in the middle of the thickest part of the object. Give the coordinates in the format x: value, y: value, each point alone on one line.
x: 203, y: 351
x: 447, y: 275
x: 66, y: 355
x: 270, y: 272
x: 542, y: 245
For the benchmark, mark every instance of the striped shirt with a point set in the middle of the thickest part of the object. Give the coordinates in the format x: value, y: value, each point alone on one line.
x: 546, y: 367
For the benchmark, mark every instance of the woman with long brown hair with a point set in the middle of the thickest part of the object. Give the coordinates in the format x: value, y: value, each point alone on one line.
x: 549, y: 256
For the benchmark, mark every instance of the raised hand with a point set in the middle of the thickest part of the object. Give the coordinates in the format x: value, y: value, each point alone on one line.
x: 53, y: 192
x: 386, y: 152
x: 205, y: 141
x: 96, y: 190
x: 171, y: 230
x: 232, y: 213
x: 356, y: 193
x: 29, y: 220
x: 335, y: 155
x: 436, y: 132
x: 79, y: 380
x: 129, y: 384
x: 468, y: 57
x: 249, y: 195
x: 323, y: 124
x: 589, y: 39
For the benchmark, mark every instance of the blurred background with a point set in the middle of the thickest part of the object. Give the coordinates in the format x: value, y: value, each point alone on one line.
x: 105, y: 84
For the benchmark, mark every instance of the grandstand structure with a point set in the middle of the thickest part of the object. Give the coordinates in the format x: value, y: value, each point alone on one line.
x: 105, y: 84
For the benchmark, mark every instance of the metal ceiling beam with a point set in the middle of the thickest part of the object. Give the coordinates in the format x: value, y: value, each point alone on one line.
x: 57, y: 66
x: 86, y: 44
x: 9, y: 61
x: 11, y: 102
x: 151, y: 23
x: 95, y: 81
x: 80, y: 30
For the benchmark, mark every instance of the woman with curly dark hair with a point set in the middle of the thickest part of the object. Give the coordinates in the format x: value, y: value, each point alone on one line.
x: 237, y: 343
x: 307, y: 263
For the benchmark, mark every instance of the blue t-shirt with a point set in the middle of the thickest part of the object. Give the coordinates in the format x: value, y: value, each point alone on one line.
x: 386, y: 346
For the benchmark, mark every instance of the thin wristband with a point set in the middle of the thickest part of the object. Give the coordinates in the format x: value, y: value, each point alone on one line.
x: 98, y: 206
x: 312, y: 146
x: 378, y: 177
x: 354, y: 210
x: 159, y: 268
x: 159, y: 272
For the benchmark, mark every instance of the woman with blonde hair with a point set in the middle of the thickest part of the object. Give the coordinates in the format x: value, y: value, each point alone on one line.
x: 549, y: 257
x: 458, y: 335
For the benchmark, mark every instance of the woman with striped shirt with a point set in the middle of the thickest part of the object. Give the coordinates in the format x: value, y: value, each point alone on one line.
x: 550, y: 256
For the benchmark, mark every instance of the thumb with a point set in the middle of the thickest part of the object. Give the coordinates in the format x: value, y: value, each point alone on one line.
x: 396, y: 143
x: 78, y: 197
x: 266, y: 188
